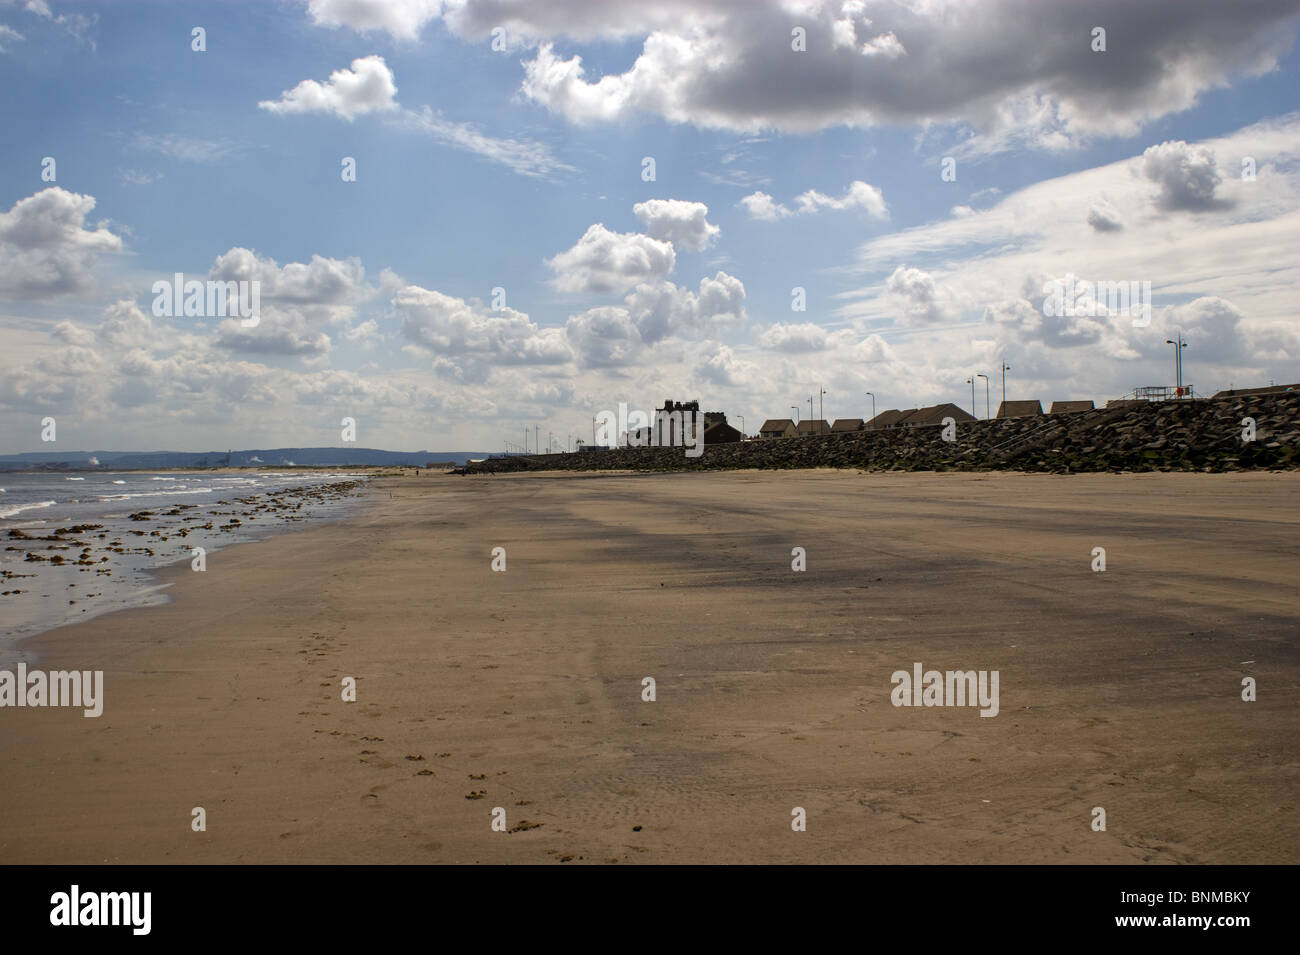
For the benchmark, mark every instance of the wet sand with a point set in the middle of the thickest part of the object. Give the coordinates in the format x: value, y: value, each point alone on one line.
x: 1119, y: 689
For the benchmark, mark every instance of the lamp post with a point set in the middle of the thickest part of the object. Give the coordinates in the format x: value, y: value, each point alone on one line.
x: 810, y: 401
x: 971, y: 381
x: 1005, y: 368
x: 986, y: 394
x: 873, y: 411
x: 821, y: 408
x: 525, y: 439
x: 742, y: 424
x: 1178, y: 360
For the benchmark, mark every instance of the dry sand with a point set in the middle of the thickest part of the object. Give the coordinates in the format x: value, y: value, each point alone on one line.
x: 1119, y: 689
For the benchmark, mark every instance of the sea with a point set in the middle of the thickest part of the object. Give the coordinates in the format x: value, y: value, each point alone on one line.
x: 76, y: 544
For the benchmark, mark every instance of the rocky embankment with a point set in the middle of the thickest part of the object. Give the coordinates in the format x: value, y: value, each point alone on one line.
x: 1198, y: 435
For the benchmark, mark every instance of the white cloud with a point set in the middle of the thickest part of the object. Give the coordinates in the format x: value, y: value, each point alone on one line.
x: 1187, y: 175
x: 718, y: 64
x: 469, y: 340
x: 605, y: 261
x: 915, y: 290
x: 859, y: 195
x: 794, y: 338
x: 401, y: 19
x: 524, y: 156
x: 45, y: 247
x: 279, y: 331
x: 186, y: 148
x: 124, y: 325
x: 761, y: 206
x: 367, y: 87
x: 8, y: 35
x: 684, y: 224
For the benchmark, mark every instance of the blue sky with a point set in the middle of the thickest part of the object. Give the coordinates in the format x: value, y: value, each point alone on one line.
x: 480, y: 168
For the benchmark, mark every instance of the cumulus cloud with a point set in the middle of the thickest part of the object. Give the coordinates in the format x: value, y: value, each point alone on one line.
x: 915, y: 290
x: 719, y: 64
x: 279, y: 331
x: 859, y: 195
x: 1103, y: 217
x: 367, y: 87
x: 682, y: 223
x: 469, y: 340
x: 1187, y: 175
x: 719, y: 365
x: 125, y: 326
x: 7, y: 35
x: 336, y: 284
x: 604, y: 337
x: 73, y: 334
x: 605, y: 261
x: 659, y: 309
x: 614, y: 335
x: 46, y: 248
x: 401, y: 19
x: 794, y: 338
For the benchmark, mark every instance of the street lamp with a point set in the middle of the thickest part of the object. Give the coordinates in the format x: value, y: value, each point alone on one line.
x: 810, y: 407
x: 1005, y: 368
x: 971, y: 382
x: 986, y: 394
x: 1178, y: 360
x: 873, y: 411
x: 821, y: 407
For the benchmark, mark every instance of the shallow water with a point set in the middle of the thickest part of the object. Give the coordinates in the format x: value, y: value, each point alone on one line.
x: 73, y: 546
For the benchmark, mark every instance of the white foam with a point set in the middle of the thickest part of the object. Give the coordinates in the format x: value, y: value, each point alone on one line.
x: 11, y: 511
x: 170, y: 492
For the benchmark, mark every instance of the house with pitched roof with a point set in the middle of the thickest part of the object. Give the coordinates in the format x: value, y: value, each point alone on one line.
x: 1071, y: 407
x: 1019, y: 409
x: 813, y: 426
x: 777, y: 428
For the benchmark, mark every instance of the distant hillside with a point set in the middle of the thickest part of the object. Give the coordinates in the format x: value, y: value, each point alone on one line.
x: 270, y: 457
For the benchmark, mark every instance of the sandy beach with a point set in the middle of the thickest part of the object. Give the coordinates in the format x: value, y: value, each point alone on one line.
x: 522, y: 689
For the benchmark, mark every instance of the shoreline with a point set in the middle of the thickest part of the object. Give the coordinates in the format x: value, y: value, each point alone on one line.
x: 773, y: 687
x: 125, y: 570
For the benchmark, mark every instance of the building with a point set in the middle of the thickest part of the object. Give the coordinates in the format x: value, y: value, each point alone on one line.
x: 918, y: 417
x: 1019, y: 409
x: 719, y: 432
x: 934, y: 415
x: 1071, y: 407
x: 846, y: 424
x: 887, y: 419
x: 812, y: 426
x: 669, y: 422
x: 777, y: 428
